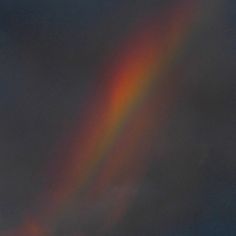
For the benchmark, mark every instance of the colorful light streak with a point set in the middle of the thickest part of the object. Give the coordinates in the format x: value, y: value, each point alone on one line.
x: 106, y: 150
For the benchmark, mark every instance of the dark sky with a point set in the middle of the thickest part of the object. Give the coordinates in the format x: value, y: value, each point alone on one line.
x: 51, y: 53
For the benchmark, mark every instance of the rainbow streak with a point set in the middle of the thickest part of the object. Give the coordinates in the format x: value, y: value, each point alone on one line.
x: 116, y: 125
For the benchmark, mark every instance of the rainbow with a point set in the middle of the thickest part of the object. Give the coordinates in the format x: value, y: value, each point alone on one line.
x: 105, y: 150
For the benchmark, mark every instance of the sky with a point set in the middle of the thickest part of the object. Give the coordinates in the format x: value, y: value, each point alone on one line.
x: 117, y: 118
